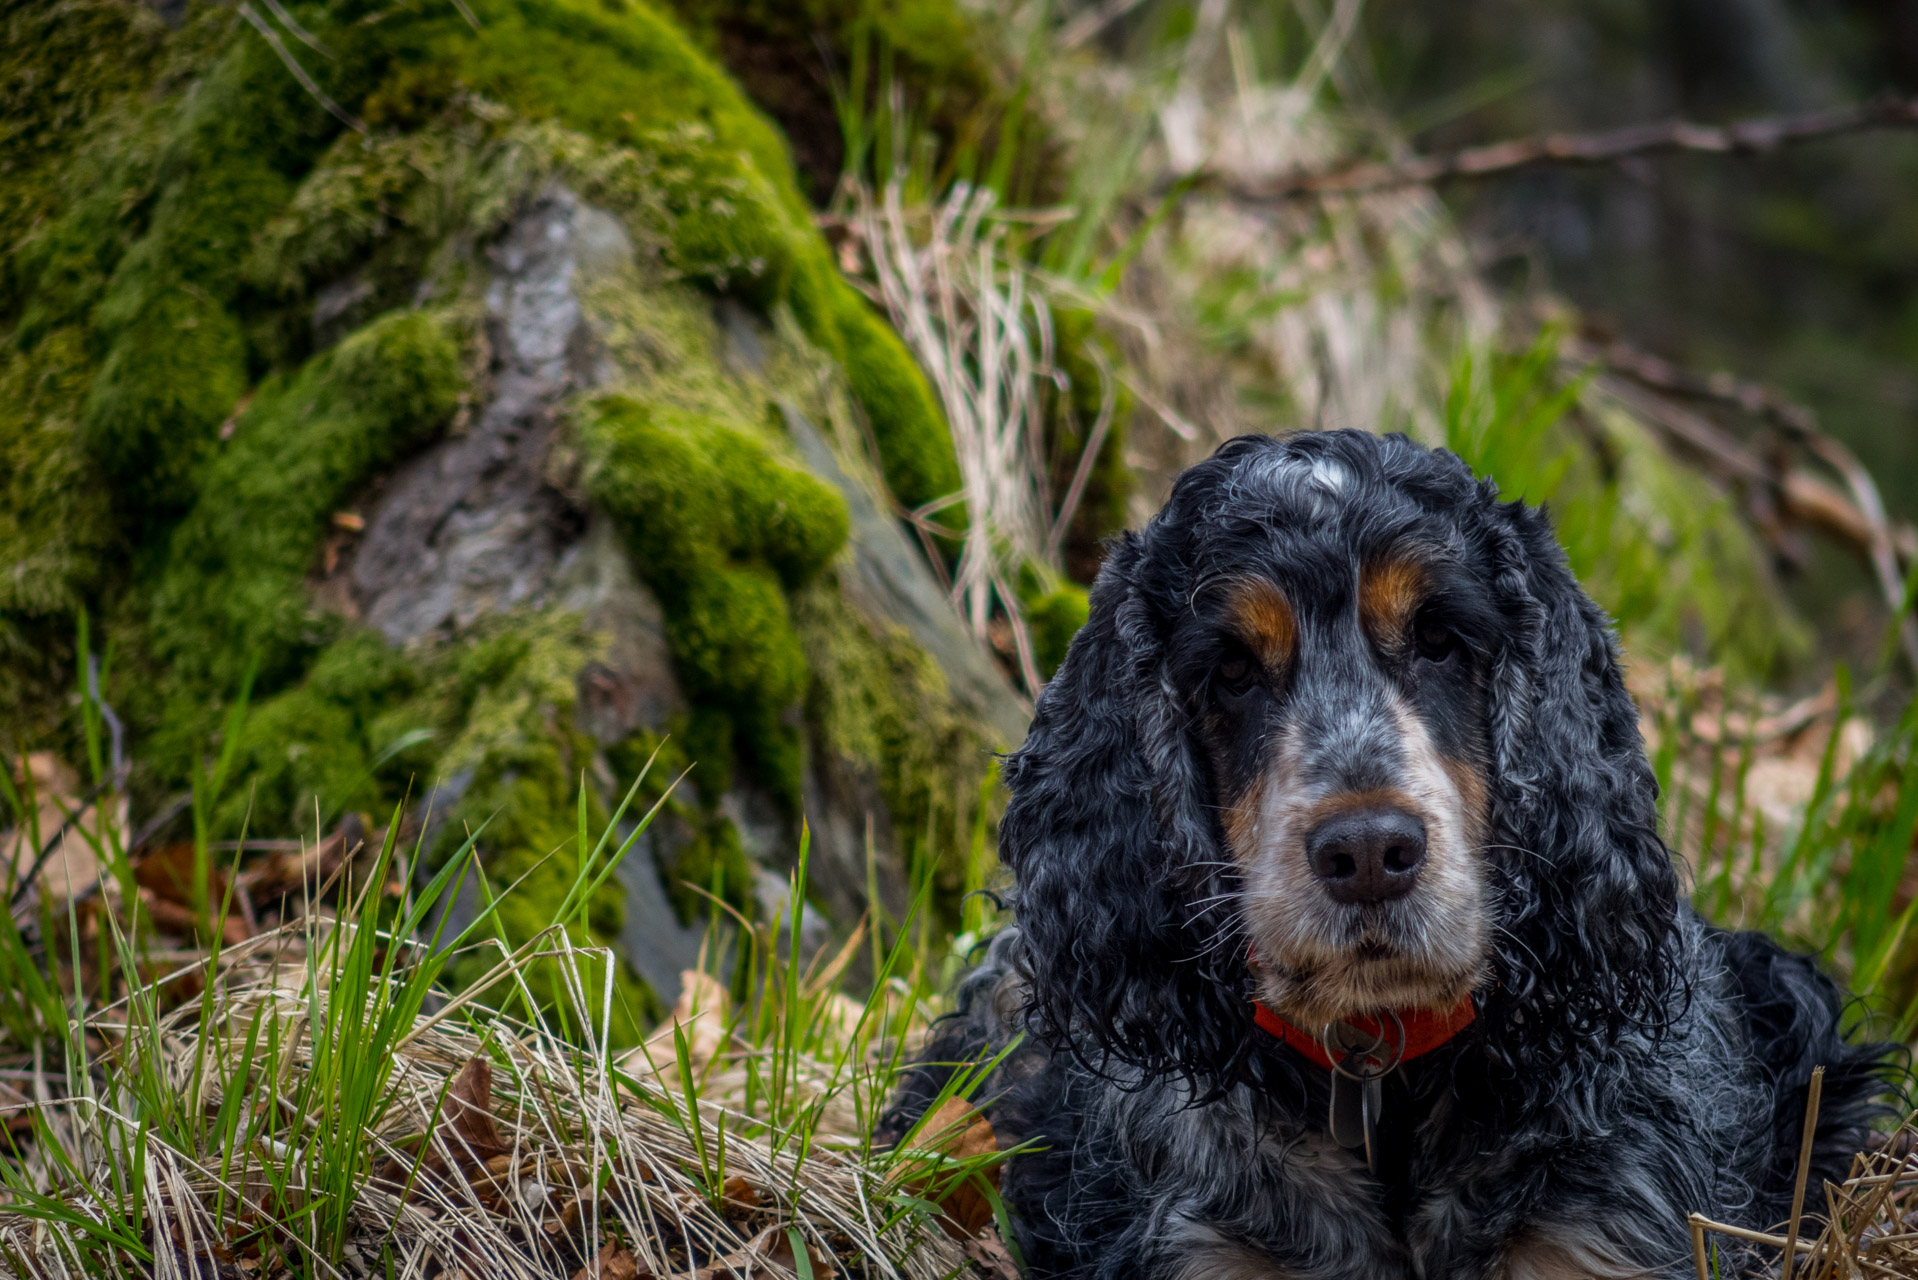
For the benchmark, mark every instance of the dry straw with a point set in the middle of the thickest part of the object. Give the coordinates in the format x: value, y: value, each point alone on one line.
x: 314, y: 1102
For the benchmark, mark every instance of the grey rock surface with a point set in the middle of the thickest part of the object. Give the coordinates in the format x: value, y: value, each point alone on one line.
x: 473, y: 526
x: 890, y: 580
x: 632, y: 685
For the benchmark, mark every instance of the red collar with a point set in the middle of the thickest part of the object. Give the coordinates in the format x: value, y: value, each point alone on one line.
x: 1424, y: 1030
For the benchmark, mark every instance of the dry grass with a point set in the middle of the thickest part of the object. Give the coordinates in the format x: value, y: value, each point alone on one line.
x: 315, y: 1101
x: 1864, y: 1226
x: 978, y: 317
x: 506, y: 1151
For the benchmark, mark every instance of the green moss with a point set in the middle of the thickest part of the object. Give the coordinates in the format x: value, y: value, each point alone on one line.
x: 504, y: 705
x: 735, y: 218
x: 362, y: 195
x: 54, y: 517
x: 703, y: 846
x: 915, y: 447
x: 327, y: 745
x: 177, y: 368
x: 165, y: 285
x: 65, y: 65
x: 722, y: 527
x: 177, y: 356
x: 232, y: 590
x: 1053, y: 618
x: 881, y: 704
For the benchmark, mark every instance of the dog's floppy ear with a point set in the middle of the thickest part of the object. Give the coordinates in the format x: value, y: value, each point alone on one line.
x: 1590, y: 893
x: 1111, y: 843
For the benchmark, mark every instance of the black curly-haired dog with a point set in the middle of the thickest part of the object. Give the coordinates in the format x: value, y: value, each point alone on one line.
x: 1346, y: 942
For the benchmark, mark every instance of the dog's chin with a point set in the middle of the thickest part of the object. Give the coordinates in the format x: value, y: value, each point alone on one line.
x: 1366, y: 978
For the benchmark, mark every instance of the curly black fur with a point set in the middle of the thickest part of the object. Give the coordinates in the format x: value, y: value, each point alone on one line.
x: 1629, y: 1063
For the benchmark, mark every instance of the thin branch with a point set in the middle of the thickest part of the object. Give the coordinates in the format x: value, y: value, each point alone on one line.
x: 1088, y: 458
x: 1756, y: 136
x: 300, y: 33
x: 1859, y: 519
x: 307, y: 82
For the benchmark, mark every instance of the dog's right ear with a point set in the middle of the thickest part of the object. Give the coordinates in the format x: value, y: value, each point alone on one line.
x: 1110, y: 839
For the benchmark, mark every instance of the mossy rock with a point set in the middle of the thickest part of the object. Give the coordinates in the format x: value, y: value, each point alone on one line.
x: 232, y: 590
x: 230, y: 326
x: 724, y: 528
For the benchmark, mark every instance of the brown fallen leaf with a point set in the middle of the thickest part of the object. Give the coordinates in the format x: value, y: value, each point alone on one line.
x: 988, y: 1253
x: 167, y: 873
x: 740, y: 1191
x: 781, y: 1253
x: 469, y: 1114
x: 171, y: 917
x: 700, y: 1016
x: 958, y: 1131
x: 614, y: 1263
x: 767, y: 1256
x: 306, y: 868
x: 72, y: 867
x: 467, y: 1129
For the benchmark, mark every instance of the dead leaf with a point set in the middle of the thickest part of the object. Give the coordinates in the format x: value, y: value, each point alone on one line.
x: 170, y: 917
x: 468, y: 1129
x: 740, y: 1191
x: 781, y: 1253
x: 72, y: 867
x: 700, y: 1014
x: 614, y: 1263
x: 469, y: 1114
x: 767, y: 1256
x: 306, y: 869
x: 958, y: 1131
x: 989, y: 1254
x: 165, y: 877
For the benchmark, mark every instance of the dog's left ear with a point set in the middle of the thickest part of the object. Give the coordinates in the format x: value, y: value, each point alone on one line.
x: 1590, y: 893
x: 1112, y: 843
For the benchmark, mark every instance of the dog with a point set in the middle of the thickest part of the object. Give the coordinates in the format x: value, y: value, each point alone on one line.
x: 1345, y: 943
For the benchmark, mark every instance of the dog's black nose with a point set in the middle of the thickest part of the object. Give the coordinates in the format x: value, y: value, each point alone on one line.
x: 1367, y: 855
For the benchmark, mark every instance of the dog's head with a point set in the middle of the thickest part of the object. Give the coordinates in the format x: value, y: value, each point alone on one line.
x: 1341, y: 733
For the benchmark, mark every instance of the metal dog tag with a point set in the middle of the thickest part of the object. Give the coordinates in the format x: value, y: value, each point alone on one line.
x: 1372, y: 1099
x: 1347, y: 1124
x: 1360, y: 1062
x: 1358, y: 1098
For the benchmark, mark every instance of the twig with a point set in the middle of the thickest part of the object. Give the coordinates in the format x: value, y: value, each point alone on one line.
x: 1862, y: 523
x: 1095, y: 444
x: 1804, y: 1169
x: 1744, y: 137
x: 307, y: 82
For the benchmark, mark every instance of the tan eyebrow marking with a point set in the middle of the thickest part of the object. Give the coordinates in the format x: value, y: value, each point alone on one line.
x: 1265, y: 622
x: 1390, y: 592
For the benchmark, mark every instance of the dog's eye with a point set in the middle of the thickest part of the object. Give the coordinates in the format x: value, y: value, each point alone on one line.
x: 1435, y: 641
x: 1237, y: 671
